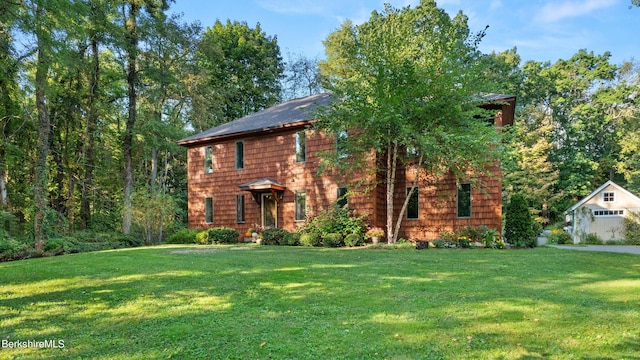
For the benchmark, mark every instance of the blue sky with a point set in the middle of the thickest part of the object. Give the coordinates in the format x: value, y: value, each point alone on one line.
x: 542, y: 30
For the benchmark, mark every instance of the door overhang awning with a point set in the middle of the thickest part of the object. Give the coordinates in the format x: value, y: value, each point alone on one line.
x: 264, y: 185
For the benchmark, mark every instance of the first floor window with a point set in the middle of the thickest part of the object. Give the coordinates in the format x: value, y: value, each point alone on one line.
x: 300, y: 205
x: 464, y: 201
x: 413, y: 205
x: 208, y: 210
x: 342, y: 197
x: 239, y: 209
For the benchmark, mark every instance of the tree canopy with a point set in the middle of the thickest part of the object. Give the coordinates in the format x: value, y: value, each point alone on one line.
x: 410, y: 78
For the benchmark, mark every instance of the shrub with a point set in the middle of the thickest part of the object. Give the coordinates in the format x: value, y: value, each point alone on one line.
x: 335, y: 220
x: 291, y: 239
x: 183, y: 236
x: 274, y: 236
x: 332, y: 240
x: 354, y: 240
x: 310, y: 239
x: 464, y: 242
x: 560, y: 237
x: 12, y: 250
x: 375, y: 232
x: 222, y: 235
x: 202, y: 237
x: 632, y: 228
x: 55, y: 245
x: 593, y: 239
x: 439, y: 243
x: 519, y: 227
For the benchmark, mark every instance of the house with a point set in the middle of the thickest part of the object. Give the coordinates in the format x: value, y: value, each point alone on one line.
x: 263, y: 169
x: 601, y: 213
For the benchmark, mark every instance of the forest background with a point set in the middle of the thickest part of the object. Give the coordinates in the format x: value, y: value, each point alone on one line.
x: 94, y: 95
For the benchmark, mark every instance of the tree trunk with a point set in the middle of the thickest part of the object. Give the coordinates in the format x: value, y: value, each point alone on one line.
x: 414, y: 185
x: 91, y: 125
x: 40, y: 192
x: 392, y: 159
x: 132, y: 77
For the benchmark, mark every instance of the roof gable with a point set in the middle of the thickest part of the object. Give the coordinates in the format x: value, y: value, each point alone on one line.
x: 278, y: 116
x: 598, y: 190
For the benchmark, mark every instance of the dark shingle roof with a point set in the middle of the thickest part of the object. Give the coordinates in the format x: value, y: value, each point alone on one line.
x: 278, y: 116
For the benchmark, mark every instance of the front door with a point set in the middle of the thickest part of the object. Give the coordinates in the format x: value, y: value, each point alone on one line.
x: 269, y: 211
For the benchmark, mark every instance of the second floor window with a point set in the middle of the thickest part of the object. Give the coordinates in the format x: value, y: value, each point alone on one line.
x: 609, y: 196
x: 208, y: 159
x: 240, y: 155
x: 341, y: 144
x: 301, y: 146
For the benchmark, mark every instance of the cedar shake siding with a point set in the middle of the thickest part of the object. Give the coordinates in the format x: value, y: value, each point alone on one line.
x: 256, y: 173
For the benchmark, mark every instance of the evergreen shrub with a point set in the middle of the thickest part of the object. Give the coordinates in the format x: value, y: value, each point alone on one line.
x: 274, y: 236
x: 519, y: 228
x: 222, y: 235
x: 354, y: 240
x: 332, y: 240
x: 183, y: 236
x: 310, y: 239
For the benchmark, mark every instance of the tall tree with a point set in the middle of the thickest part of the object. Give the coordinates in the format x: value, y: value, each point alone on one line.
x: 10, y: 121
x: 244, y: 68
x: 301, y: 77
x: 409, y: 78
x: 132, y: 9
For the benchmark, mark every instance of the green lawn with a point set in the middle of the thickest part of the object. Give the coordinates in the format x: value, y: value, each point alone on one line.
x: 252, y: 302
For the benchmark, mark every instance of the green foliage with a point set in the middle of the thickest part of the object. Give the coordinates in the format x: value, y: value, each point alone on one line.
x: 560, y: 237
x: 202, y: 237
x: 353, y: 240
x: 54, y: 245
x: 183, y: 236
x: 310, y: 239
x: 333, y: 240
x: 632, y: 228
x: 9, y: 226
x: 13, y: 250
x: 335, y: 220
x: 439, y: 243
x: 400, y: 89
x: 593, y: 239
x: 274, y: 236
x: 291, y: 239
x: 222, y: 235
x: 153, y: 213
x: 244, y: 69
x: 519, y: 227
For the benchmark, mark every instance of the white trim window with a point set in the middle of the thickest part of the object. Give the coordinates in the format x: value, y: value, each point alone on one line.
x: 300, y: 200
x: 208, y: 159
x: 301, y: 147
x: 239, y: 155
x: 609, y: 196
x: 608, y: 212
x: 208, y: 209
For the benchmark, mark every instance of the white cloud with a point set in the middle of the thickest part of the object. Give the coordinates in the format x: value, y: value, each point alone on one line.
x: 555, y: 11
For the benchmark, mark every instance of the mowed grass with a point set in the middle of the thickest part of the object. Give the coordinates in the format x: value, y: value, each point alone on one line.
x: 252, y: 302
